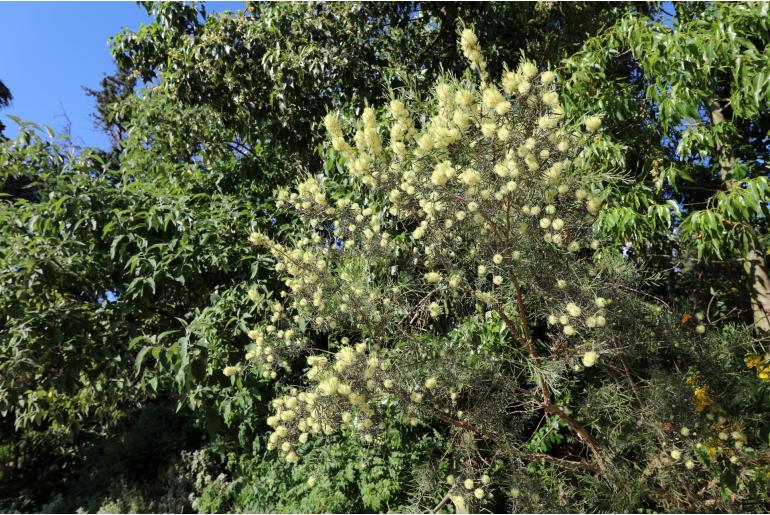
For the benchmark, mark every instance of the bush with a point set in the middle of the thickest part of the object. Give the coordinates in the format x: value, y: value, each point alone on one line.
x: 451, y: 275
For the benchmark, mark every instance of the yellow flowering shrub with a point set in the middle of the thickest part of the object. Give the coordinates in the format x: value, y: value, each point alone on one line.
x: 450, y: 276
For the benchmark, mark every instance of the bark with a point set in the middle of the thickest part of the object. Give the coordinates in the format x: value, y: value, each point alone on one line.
x: 760, y: 289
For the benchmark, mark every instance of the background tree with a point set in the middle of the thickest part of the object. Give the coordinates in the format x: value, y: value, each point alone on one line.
x: 273, y: 70
x: 113, y: 89
x: 685, y: 100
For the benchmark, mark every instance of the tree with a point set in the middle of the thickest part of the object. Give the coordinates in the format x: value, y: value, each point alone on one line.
x: 449, y: 276
x: 114, y: 89
x: 273, y: 70
x: 685, y: 102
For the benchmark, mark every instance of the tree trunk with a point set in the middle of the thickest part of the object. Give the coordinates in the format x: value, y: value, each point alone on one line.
x: 754, y: 261
x: 760, y: 289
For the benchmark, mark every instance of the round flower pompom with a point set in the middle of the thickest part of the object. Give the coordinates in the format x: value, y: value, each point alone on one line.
x: 529, y: 69
x: 431, y: 383
x: 468, y: 484
x: 592, y: 123
x: 676, y: 455
x: 551, y: 98
x: 573, y: 309
x: 468, y: 38
x: 259, y: 239
x: 230, y: 371
x: 311, y: 481
x: 478, y: 493
x: 432, y: 277
x: 590, y: 358
x: 689, y: 465
x: 254, y: 295
x: 700, y: 328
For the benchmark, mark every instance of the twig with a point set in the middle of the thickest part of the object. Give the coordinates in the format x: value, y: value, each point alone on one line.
x: 708, y: 308
x: 528, y: 456
x: 727, y: 315
x: 581, y: 432
x: 441, y: 503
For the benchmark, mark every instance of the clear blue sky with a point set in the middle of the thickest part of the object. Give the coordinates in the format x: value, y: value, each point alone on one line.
x: 50, y: 50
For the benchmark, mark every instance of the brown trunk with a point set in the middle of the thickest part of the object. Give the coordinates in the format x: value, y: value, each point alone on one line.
x: 760, y: 289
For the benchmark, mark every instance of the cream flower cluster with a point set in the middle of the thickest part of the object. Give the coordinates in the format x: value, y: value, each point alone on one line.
x: 469, y: 490
x: 350, y: 389
x: 471, y: 48
x: 574, y: 319
x: 461, y: 212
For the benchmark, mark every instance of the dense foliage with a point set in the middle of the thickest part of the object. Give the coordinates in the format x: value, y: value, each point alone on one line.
x: 685, y: 100
x: 477, y: 284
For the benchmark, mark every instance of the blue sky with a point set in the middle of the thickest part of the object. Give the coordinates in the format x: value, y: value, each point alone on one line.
x: 50, y: 50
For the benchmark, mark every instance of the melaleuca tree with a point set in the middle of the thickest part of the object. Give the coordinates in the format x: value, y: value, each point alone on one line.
x: 238, y: 96
x: 448, y: 277
x: 684, y: 98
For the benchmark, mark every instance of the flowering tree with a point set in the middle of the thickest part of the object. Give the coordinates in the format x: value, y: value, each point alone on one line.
x: 449, y: 276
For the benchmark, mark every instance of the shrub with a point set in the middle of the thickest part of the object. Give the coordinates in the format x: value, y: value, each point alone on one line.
x: 450, y: 275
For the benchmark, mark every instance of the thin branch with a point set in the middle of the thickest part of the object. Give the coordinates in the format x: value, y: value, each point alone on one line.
x: 581, y: 432
x: 441, y: 503
x: 528, y: 456
x: 640, y: 292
